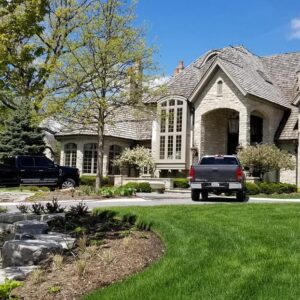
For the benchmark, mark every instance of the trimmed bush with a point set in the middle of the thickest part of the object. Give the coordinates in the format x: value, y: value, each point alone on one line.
x: 109, y: 192
x: 140, y: 187
x: 182, y: 183
x: 252, y: 188
x: 91, y: 180
x: 270, y: 188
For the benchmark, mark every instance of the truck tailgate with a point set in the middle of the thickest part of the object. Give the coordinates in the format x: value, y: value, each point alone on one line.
x: 215, y: 173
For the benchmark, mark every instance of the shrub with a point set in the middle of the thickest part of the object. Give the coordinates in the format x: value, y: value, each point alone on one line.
x: 37, y: 208
x: 109, y: 192
x: 53, y: 207
x: 140, y: 187
x: 7, y: 287
x: 91, y: 180
x: 252, y: 188
x: 181, y: 183
x: 276, y: 188
x: 79, y: 210
x: 23, y: 208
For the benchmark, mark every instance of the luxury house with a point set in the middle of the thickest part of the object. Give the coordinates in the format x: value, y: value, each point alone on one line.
x: 228, y: 98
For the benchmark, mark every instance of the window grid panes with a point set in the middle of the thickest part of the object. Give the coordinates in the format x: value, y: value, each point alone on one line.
x: 170, y: 147
x: 179, y: 120
x: 163, y: 121
x: 171, y: 120
x: 171, y: 130
x: 90, y: 159
x: 162, y: 147
x: 70, y: 155
x: 178, y: 147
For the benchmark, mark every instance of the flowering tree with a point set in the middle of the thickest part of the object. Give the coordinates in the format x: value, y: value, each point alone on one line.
x: 138, y: 157
x: 264, y: 158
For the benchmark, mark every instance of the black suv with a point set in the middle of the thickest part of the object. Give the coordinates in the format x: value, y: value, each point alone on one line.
x: 38, y: 171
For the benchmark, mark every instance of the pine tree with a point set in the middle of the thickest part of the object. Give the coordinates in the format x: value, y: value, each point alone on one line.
x: 20, y: 135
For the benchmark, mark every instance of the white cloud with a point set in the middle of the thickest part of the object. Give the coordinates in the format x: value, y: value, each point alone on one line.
x: 295, y: 27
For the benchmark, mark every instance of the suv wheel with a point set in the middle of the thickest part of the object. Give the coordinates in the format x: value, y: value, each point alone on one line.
x: 195, y: 195
x: 68, y: 183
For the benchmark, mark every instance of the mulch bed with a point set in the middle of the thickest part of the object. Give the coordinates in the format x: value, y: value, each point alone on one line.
x: 113, y: 261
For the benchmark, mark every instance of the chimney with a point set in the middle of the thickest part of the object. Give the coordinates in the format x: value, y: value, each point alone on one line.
x: 179, y: 68
x: 298, y: 79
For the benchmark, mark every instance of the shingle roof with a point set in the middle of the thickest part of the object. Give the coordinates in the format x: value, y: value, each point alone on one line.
x: 126, y: 122
x: 272, y: 78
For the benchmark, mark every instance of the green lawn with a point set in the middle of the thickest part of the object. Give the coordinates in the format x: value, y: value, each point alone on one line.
x: 231, y: 251
x: 277, y: 196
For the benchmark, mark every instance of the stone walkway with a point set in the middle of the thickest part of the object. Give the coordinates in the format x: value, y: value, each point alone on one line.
x: 14, y: 196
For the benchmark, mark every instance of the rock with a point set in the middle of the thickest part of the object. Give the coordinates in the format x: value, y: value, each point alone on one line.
x: 15, y: 273
x: 31, y: 227
x: 27, y: 252
x: 66, y: 241
x: 5, y: 227
x: 50, y: 217
x: 10, y: 218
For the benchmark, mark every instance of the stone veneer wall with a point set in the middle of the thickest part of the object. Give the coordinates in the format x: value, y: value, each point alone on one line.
x: 232, y: 98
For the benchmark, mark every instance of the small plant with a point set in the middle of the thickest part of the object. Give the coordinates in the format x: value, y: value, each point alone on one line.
x: 23, y: 208
x: 82, y: 244
x: 54, y: 289
x: 37, y: 276
x: 3, y: 209
x: 126, y: 241
x: 182, y: 183
x: 53, y: 207
x: 7, y: 287
x: 79, y: 210
x: 92, y: 250
x: 37, y: 208
x: 57, y: 262
x: 80, y: 267
x: 86, y: 190
x: 107, y: 256
x: 96, y: 243
x: 80, y: 230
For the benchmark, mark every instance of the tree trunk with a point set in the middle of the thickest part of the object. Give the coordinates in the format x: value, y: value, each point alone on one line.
x: 100, y: 149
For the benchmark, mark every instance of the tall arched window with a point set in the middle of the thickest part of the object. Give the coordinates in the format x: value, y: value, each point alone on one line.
x: 70, y: 155
x: 220, y: 88
x: 172, y: 129
x: 114, y: 152
x: 90, y: 159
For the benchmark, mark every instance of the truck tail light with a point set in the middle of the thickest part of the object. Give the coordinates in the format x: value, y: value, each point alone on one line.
x: 239, y: 174
x: 192, y: 174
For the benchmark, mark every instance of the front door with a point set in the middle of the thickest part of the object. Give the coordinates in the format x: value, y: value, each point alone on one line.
x: 232, y: 143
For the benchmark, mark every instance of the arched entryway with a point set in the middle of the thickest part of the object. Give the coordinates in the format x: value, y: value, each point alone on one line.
x: 220, y: 131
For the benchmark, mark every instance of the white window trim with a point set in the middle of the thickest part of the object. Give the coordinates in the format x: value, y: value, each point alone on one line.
x: 166, y: 134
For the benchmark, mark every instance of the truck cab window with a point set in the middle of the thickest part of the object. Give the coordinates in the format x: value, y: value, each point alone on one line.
x: 26, y: 161
x: 43, y: 162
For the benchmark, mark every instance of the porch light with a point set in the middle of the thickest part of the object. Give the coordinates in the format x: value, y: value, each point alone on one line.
x: 233, y: 125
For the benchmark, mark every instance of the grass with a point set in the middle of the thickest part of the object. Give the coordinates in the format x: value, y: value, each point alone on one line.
x: 236, y: 251
x: 277, y: 196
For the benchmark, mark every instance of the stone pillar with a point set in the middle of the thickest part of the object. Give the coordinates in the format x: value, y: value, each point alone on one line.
x: 79, y: 160
x: 244, y: 127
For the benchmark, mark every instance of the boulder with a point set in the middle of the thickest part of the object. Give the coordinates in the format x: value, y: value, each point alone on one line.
x: 27, y: 252
x: 15, y: 273
x: 31, y: 227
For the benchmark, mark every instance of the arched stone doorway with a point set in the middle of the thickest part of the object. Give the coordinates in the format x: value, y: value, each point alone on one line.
x: 220, y: 131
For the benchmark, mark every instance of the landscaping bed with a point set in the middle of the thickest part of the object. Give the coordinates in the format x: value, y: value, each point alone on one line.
x: 116, y: 259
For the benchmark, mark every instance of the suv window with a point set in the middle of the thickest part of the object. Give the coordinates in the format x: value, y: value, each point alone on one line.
x: 43, y: 162
x: 219, y: 160
x: 26, y: 161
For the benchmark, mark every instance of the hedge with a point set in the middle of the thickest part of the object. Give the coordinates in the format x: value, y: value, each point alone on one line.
x: 91, y: 180
x: 270, y: 188
x: 181, y: 183
x: 140, y: 187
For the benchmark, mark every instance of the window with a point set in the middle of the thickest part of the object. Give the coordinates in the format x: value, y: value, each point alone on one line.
x: 43, y: 162
x: 70, y: 155
x: 114, y: 152
x: 90, y: 159
x: 27, y: 161
x: 171, y: 129
x: 220, y: 88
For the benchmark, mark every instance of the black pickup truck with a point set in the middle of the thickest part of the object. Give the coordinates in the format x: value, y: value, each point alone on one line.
x: 217, y: 174
x: 37, y: 171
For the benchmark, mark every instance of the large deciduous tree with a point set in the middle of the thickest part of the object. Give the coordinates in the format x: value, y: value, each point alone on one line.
x: 104, y: 70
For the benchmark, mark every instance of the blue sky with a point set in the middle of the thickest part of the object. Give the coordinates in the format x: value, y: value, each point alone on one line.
x: 184, y: 30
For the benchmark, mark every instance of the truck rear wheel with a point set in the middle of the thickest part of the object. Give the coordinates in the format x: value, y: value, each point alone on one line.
x: 204, y: 195
x: 195, y: 195
x: 68, y: 183
x: 241, y: 196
